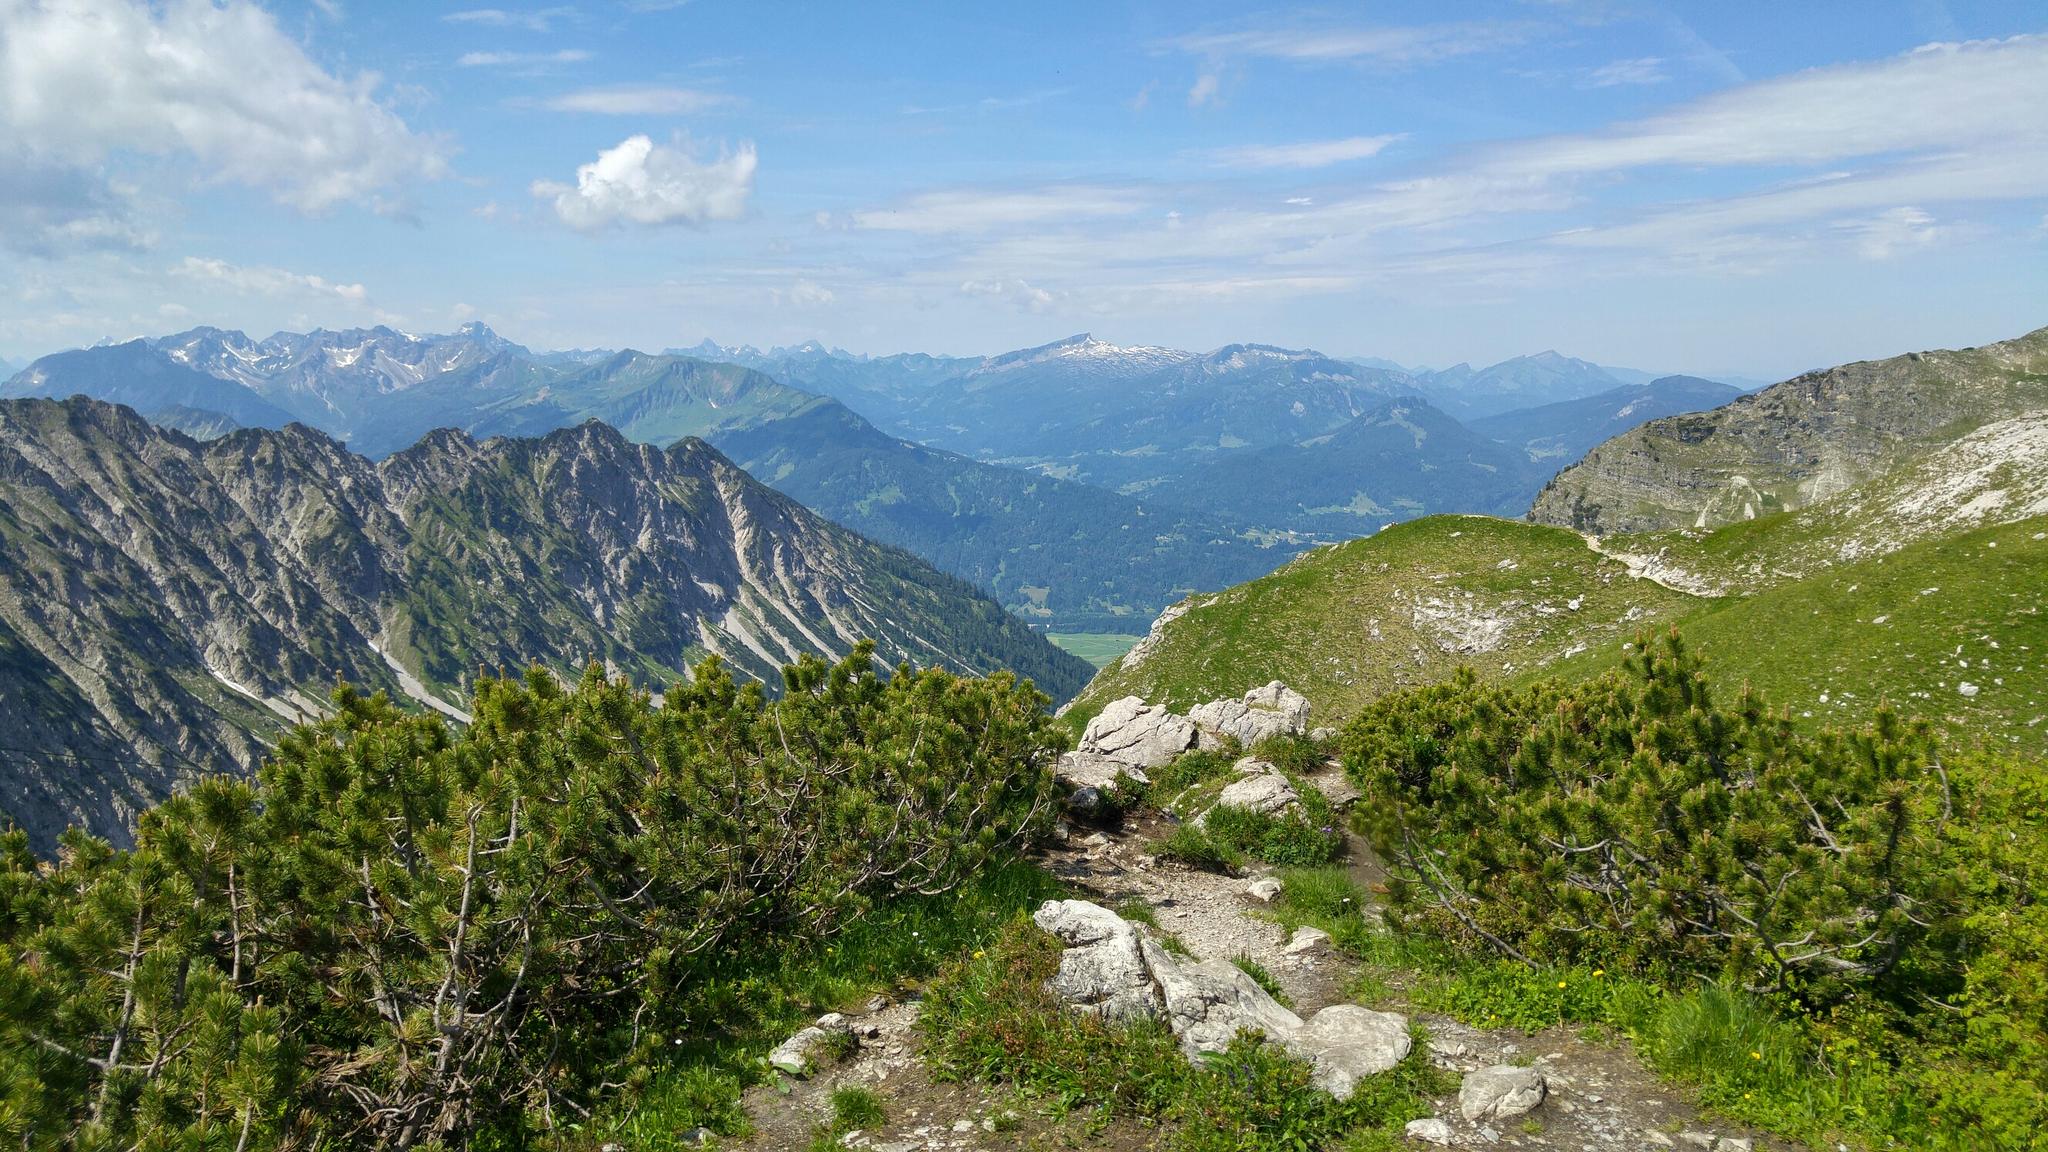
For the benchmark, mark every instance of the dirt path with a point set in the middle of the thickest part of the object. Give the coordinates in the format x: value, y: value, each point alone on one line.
x: 1600, y: 1096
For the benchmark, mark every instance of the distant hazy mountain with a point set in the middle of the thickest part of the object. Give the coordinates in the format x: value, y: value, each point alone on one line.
x: 165, y: 604
x: 1796, y: 443
x: 1402, y: 459
x: 1075, y: 556
x: 1090, y: 559
x: 1470, y: 393
x: 1562, y: 432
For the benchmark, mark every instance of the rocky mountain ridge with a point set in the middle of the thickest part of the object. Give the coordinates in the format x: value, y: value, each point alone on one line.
x: 166, y: 604
x: 1796, y: 443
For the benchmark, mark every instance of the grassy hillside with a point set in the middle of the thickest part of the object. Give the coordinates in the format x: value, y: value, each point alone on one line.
x: 1906, y: 589
x: 1350, y: 622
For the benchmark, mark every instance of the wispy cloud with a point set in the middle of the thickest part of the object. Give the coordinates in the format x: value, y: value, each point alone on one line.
x: 985, y: 210
x: 1642, y: 70
x: 1415, y: 44
x: 520, y: 59
x: 1309, y: 154
x: 261, y: 280
x: 1207, y: 89
x: 538, y: 20
x: 637, y: 100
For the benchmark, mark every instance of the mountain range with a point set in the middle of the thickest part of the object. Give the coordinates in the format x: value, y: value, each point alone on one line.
x: 1063, y: 479
x: 167, y: 605
x: 1888, y: 544
x: 1795, y: 443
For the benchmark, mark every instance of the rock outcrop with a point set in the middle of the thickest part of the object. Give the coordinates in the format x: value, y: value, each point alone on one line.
x: 1116, y: 970
x: 1262, y: 714
x: 1138, y: 734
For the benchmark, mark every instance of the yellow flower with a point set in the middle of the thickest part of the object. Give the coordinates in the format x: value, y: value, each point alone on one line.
x: 1756, y: 1055
x: 1599, y: 972
x: 1560, y: 983
x: 978, y: 953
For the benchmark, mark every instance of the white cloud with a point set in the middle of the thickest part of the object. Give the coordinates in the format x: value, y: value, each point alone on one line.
x: 1310, y: 154
x: 1014, y: 292
x: 535, y: 21
x: 1644, y: 70
x: 1421, y: 44
x: 257, y: 280
x: 637, y: 100
x: 1887, y: 234
x: 221, y: 84
x: 641, y: 182
x: 803, y: 294
x: 1207, y: 90
x: 520, y: 59
x: 978, y: 211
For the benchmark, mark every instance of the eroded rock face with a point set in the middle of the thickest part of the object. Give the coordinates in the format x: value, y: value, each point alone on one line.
x: 1210, y: 1002
x: 1347, y: 1043
x: 1076, y: 770
x: 1102, y: 970
x: 1138, y: 734
x: 1501, y: 1092
x: 1263, y: 713
x: 1115, y: 969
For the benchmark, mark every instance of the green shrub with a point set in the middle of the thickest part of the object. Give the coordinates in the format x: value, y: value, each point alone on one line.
x: 403, y: 934
x: 1190, y: 845
x: 855, y: 1107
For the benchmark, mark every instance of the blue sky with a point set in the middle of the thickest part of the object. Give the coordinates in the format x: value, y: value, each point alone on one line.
x: 1728, y: 187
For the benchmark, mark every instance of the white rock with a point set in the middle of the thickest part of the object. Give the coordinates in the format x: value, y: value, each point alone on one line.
x: 1308, y: 941
x: 1209, y: 1003
x: 1430, y: 1131
x: 1267, y: 792
x: 1735, y: 1144
x: 1102, y: 970
x: 793, y: 1056
x: 1967, y: 688
x: 1265, y: 890
x: 1076, y: 770
x: 1262, y: 713
x: 1501, y: 1092
x: 1138, y: 734
x: 1346, y: 1043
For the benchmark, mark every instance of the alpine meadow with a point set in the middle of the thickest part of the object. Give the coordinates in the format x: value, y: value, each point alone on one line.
x: 632, y: 576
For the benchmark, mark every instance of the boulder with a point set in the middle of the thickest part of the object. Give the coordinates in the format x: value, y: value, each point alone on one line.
x: 1501, y: 1092
x: 1078, y: 770
x: 1209, y: 1003
x: 1430, y: 1131
x: 1262, y: 713
x: 1265, y: 890
x: 1267, y: 792
x: 1102, y: 970
x: 1138, y: 734
x: 1346, y: 1043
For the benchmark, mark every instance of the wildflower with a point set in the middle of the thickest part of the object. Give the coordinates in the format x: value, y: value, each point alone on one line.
x: 978, y: 953
x: 1560, y: 983
x: 1599, y: 972
x: 1754, y: 1055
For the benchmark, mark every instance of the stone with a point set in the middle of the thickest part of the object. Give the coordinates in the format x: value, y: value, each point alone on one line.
x: 1652, y: 1136
x: 1102, y: 971
x: 1324, y: 735
x: 1138, y: 734
x: 1265, y: 890
x: 793, y: 1056
x: 1209, y: 1003
x: 1735, y: 1144
x: 1262, y: 714
x: 1696, y: 1139
x: 1307, y: 941
x: 1501, y: 1092
x: 1075, y: 770
x: 1267, y: 792
x: 1430, y: 1131
x: 1346, y: 1043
